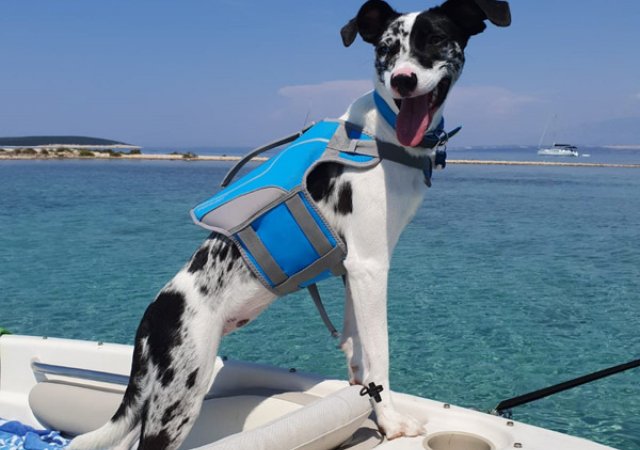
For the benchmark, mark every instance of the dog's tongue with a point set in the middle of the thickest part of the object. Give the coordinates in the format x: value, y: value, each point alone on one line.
x: 413, y: 120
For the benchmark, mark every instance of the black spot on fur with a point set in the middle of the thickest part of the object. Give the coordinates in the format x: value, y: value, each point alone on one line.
x: 322, y: 180
x: 138, y: 371
x: 191, y: 380
x: 235, y: 253
x: 345, y: 199
x: 183, y: 423
x: 161, y: 325
x: 224, y: 251
x: 158, y: 441
x: 170, y: 413
x: 199, y: 260
x: 204, y: 290
x: 434, y: 37
x: 168, y: 376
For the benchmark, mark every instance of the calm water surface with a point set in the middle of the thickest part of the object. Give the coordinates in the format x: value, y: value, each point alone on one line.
x: 509, y: 279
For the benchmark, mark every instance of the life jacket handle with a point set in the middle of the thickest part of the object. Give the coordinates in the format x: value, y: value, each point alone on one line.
x: 253, y: 153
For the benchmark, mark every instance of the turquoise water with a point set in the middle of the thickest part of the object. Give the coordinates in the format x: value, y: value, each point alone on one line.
x: 508, y: 280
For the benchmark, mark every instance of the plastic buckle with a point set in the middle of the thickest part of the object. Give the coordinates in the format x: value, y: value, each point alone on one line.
x: 373, y: 390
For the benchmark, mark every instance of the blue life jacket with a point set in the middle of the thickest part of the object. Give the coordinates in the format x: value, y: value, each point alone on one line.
x: 271, y: 218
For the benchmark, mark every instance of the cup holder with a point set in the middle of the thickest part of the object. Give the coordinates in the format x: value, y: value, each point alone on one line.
x: 456, y: 441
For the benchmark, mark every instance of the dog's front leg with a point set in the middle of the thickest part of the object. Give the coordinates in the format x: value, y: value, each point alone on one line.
x: 368, y: 352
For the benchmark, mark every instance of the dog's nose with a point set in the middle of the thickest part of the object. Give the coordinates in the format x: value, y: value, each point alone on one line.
x: 404, y: 84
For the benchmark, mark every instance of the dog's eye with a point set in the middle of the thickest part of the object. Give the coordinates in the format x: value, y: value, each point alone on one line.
x: 382, y: 50
x: 436, y: 39
x: 388, y: 50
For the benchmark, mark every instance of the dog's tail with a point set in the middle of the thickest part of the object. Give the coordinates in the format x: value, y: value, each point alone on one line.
x: 129, y: 413
x: 105, y: 437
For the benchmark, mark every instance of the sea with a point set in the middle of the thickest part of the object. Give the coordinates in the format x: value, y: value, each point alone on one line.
x: 509, y: 279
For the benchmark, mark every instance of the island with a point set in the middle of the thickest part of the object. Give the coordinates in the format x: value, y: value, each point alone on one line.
x: 83, y: 147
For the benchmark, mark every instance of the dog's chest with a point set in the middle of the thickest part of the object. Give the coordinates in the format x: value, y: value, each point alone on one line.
x: 384, y: 201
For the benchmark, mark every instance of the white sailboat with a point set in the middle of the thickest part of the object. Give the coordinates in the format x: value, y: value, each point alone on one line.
x: 556, y: 149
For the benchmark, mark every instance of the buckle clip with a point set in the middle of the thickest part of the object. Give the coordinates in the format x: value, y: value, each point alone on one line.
x: 373, y: 390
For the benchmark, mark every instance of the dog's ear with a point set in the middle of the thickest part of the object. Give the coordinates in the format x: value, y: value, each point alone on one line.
x: 471, y: 14
x: 371, y: 21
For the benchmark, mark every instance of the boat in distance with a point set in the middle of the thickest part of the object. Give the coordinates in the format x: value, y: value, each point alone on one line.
x: 559, y: 150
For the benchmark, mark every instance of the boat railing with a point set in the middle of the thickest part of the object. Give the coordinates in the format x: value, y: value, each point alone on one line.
x: 78, y: 373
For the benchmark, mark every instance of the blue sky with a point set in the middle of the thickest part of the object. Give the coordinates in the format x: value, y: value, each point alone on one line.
x: 242, y: 72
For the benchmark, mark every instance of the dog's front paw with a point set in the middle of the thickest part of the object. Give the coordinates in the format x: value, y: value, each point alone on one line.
x: 394, y: 424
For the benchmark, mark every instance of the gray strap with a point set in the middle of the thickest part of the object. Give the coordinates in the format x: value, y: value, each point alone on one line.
x: 308, y: 225
x: 255, y: 246
x: 340, y: 140
x: 253, y: 153
x: 378, y: 149
x: 326, y: 262
x: 315, y: 295
x: 391, y: 152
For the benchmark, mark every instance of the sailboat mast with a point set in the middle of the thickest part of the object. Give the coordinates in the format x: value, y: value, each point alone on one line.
x: 544, y: 133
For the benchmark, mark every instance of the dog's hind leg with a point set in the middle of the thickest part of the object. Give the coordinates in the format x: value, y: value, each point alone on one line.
x: 214, y: 294
x: 181, y: 380
x: 175, y: 348
x: 173, y: 361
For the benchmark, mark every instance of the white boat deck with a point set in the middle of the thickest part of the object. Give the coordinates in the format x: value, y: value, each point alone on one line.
x: 31, y: 367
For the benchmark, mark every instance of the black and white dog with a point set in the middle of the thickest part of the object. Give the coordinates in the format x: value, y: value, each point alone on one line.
x: 418, y: 58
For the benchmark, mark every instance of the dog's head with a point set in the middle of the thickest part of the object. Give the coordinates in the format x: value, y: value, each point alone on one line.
x: 419, y: 56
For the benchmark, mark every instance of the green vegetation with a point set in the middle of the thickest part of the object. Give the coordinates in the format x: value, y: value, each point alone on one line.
x: 189, y: 155
x: 4, y: 331
x: 25, y: 151
x: 135, y: 151
x: 44, y: 152
x: 86, y: 154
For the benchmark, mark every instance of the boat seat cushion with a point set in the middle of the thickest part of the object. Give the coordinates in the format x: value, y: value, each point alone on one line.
x: 74, y: 409
x: 325, y: 423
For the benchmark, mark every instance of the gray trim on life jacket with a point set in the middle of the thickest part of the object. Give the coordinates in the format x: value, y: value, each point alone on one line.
x: 311, y: 229
x: 376, y: 148
x: 257, y: 249
x: 237, y: 216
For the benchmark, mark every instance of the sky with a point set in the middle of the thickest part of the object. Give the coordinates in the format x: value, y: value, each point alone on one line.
x: 216, y: 73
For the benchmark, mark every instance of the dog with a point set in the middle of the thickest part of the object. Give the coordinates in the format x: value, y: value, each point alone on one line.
x: 418, y: 58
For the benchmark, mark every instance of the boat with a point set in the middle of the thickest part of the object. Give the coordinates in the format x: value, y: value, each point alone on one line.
x: 559, y: 150
x: 555, y: 149
x: 75, y: 386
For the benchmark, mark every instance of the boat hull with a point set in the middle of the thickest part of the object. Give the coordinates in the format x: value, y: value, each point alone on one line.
x: 90, y: 378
